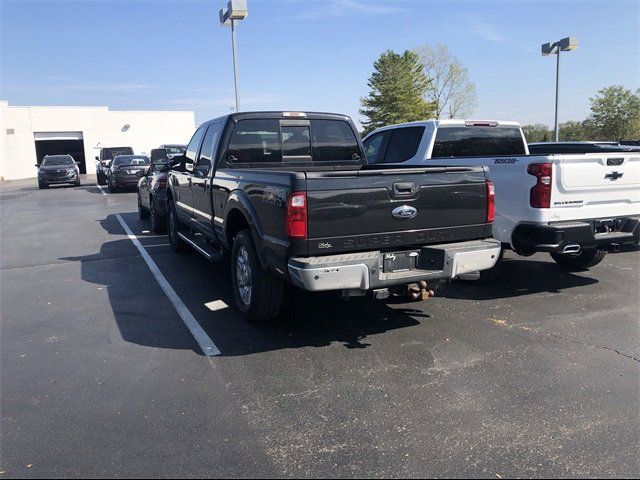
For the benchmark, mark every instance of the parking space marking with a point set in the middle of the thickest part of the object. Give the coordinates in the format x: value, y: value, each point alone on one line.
x: 158, y: 245
x: 102, y: 190
x: 204, y: 341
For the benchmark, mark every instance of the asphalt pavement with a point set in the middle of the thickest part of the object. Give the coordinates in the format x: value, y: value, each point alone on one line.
x: 535, y: 375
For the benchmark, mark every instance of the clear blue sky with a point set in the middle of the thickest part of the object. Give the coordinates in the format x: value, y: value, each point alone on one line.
x: 308, y: 55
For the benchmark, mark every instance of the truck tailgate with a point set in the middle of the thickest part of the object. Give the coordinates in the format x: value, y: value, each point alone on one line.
x: 589, y: 186
x: 386, y: 208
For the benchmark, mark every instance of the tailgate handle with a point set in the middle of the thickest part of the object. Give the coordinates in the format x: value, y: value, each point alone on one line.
x: 614, y: 162
x: 404, y: 188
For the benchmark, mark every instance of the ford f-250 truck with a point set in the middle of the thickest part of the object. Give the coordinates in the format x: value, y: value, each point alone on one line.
x: 574, y: 206
x: 290, y: 196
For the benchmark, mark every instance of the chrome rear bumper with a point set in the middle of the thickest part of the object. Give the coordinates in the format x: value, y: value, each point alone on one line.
x: 365, y: 271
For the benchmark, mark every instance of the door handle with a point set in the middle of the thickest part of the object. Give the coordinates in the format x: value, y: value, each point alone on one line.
x: 404, y: 188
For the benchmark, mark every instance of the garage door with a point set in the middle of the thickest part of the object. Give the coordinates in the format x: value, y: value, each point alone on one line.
x: 57, y: 136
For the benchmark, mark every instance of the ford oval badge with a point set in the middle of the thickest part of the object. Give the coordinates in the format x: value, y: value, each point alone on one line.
x: 405, y: 211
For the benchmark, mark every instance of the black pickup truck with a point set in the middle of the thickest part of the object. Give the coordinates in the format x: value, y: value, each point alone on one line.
x: 291, y: 197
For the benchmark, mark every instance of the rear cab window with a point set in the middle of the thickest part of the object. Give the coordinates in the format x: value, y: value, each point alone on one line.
x: 477, y: 141
x: 282, y: 142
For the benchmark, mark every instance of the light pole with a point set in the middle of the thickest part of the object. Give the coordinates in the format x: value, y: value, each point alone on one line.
x: 236, y: 10
x: 564, y: 45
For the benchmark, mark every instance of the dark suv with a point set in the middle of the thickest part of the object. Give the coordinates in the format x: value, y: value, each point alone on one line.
x: 152, y: 190
x: 58, y: 169
x: 123, y: 171
x: 107, y: 154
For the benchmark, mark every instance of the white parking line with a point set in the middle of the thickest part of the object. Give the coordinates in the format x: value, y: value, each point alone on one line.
x: 102, y: 190
x: 206, y: 344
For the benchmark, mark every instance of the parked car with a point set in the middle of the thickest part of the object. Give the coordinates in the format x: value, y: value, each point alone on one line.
x: 123, y: 171
x: 546, y: 148
x: 174, y: 150
x: 290, y: 196
x: 152, y: 190
x: 58, y: 170
x: 103, y: 160
x: 574, y: 206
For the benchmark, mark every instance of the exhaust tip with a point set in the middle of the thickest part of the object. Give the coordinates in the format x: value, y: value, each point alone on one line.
x: 572, y: 249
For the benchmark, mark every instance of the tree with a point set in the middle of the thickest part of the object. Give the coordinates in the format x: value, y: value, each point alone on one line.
x: 450, y: 90
x: 615, y: 114
x: 397, y: 87
x: 573, y: 131
x: 536, y: 133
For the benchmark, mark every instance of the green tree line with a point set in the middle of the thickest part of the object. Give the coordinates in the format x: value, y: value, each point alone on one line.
x: 429, y: 82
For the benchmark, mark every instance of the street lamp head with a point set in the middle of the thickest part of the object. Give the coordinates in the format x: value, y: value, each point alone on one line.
x: 569, y: 43
x: 565, y: 45
x: 235, y: 10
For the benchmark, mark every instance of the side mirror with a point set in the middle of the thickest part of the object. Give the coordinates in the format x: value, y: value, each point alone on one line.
x: 140, y: 173
x: 77, y: 163
x: 37, y: 166
x: 97, y: 158
x: 188, y: 167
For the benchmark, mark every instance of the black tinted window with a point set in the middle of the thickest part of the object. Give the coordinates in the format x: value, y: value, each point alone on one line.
x: 404, y: 144
x: 255, y: 141
x: 58, y: 160
x: 296, y: 141
x: 205, y: 160
x: 111, y: 153
x: 373, y: 147
x: 192, y: 148
x: 477, y: 142
x: 130, y: 160
x: 334, y: 141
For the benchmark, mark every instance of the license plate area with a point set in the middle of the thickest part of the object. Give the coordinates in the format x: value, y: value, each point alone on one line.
x: 400, y: 261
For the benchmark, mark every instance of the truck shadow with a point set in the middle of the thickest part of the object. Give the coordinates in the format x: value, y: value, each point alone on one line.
x: 145, y: 317
x: 519, y: 277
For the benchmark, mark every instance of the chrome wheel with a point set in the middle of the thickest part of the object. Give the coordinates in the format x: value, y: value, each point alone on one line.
x: 243, y: 276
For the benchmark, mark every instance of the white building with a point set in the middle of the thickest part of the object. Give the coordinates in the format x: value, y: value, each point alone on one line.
x: 29, y: 133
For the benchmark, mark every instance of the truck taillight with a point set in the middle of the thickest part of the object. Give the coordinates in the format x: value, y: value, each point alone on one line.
x: 296, y: 218
x: 540, y: 195
x: 491, y: 202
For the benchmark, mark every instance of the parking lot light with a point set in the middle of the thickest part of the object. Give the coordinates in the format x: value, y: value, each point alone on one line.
x: 236, y: 10
x: 565, y: 45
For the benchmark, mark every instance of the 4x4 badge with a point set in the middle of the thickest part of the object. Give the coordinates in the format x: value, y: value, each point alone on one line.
x: 613, y: 175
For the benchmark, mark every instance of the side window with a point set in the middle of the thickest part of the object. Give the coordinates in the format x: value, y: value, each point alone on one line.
x: 374, y: 147
x: 192, y: 149
x: 404, y: 144
x: 209, y: 144
x: 255, y: 141
x: 296, y: 141
x: 334, y: 141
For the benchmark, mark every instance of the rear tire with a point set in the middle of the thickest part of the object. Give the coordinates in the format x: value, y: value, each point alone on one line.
x: 112, y: 187
x: 42, y: 185
x: 158, y: 222
x: 143, y: 213
x: 258, y: 294
x: 581, y: 261
x: 175, y: 225
x: 101, y: 178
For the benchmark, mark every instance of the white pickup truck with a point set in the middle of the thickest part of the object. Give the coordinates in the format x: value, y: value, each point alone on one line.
x: 574, y: 206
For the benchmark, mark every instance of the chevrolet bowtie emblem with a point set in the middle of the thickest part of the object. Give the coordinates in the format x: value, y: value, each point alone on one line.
x: 613, y: 175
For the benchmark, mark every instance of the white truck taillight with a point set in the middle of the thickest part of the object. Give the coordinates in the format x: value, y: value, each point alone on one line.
x: 296, y: 218
x: 540, y: 195
x: 491, y: 202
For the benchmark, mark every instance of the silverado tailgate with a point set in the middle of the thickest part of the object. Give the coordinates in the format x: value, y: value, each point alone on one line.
x: 382, y: 209
x: 589, y: 186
